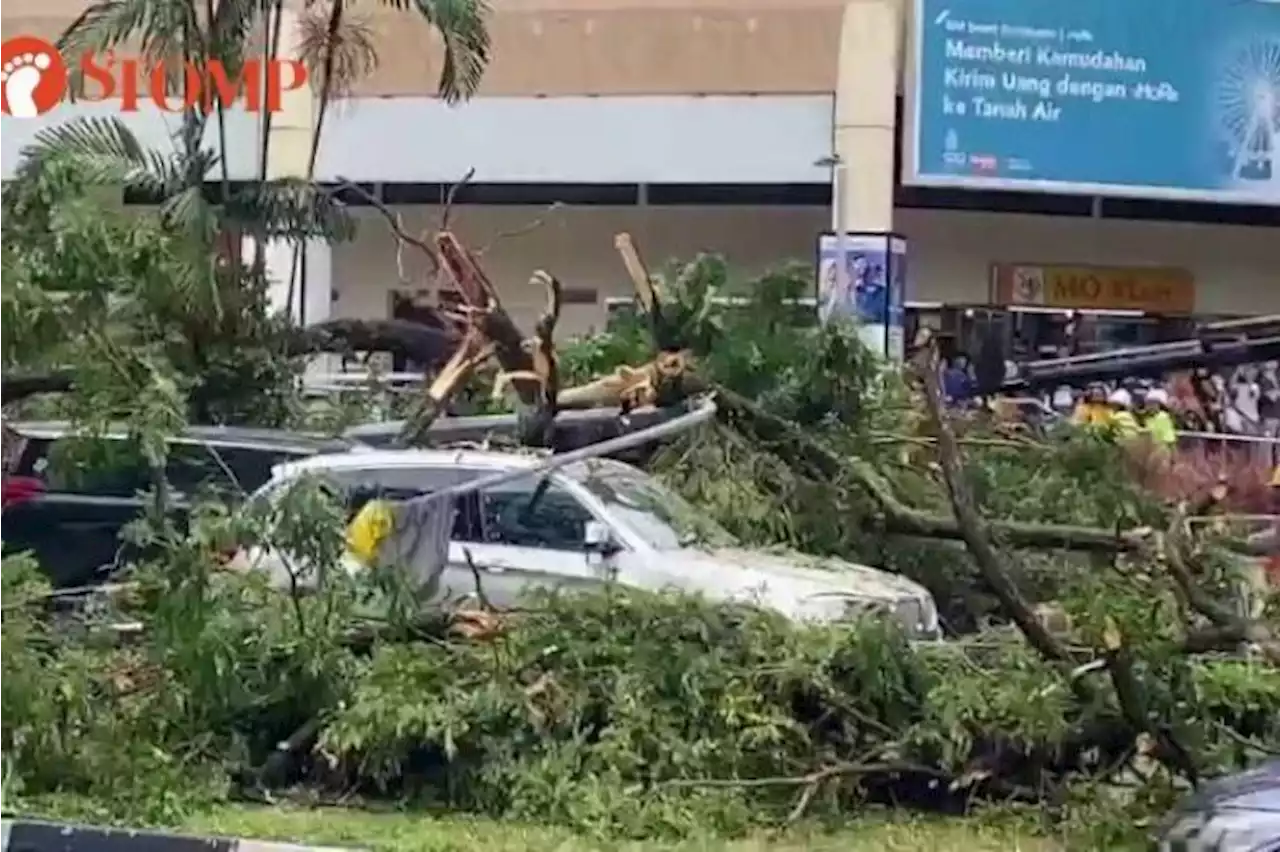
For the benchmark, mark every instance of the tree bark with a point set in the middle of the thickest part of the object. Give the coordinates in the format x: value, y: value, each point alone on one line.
x: 427, y: 345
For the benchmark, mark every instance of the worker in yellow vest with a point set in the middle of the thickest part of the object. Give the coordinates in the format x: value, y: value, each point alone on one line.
x: 1092, y: 410
x: 1157, y: 422
x: 1120, y: 417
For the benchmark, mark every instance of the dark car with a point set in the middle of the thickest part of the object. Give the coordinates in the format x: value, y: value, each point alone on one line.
x: 1238, y: 813
x: 70, y: 515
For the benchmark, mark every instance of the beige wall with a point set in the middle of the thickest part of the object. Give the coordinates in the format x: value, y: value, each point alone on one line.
x: 1237, y: 269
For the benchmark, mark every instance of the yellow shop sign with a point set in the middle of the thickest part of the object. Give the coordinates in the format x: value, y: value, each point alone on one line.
x: 1158, y: 290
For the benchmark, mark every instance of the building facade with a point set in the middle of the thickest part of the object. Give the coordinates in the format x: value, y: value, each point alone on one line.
x: 733, y: 126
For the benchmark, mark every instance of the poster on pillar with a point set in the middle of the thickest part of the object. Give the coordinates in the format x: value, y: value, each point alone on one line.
x: 862, y: 277
x: 1175, y: 99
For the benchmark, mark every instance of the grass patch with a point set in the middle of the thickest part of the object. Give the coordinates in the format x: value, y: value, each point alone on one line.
x: 406, y: 831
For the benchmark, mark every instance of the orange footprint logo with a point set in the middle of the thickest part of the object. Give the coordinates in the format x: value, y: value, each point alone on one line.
x: 33, y: 77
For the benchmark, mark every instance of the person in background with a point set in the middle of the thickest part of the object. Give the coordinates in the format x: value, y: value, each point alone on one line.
x: 1157, y: 422
x: 1121, y: 420
x: 1243, y: 396
x: 1092, y: 410
x: 1206, y: 392
x: 1184, y: 405
x: 1269, y: 404
x: 1063, y: 400
x: 957, y: 379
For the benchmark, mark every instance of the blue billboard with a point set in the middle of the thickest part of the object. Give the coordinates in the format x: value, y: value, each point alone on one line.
x: 1148, y: 98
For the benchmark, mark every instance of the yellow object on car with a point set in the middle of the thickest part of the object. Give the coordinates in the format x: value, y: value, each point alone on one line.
x: 369, y: 529
x: 1275, y: 476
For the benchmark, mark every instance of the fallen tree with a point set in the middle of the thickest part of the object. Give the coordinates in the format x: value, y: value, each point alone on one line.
x: 1096, y: 649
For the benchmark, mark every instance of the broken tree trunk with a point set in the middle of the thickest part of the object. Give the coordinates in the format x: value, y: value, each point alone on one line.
x: 480, y: 297
x: 470, y: 354
x: 427, y: 345
x: 815, y: 461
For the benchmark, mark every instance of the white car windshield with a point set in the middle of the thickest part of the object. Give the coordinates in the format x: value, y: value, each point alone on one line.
x: 644, y: 506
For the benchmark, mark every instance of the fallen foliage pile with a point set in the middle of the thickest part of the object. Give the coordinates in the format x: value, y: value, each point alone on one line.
x: 1101, y: 652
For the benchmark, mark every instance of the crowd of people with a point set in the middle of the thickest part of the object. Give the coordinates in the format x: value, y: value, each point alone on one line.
x: 1242, y: 401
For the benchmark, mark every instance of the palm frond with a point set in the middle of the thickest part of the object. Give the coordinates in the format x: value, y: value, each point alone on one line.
x: 106, y: 152
x: 336, y: 47
x: 232, y: 27
x: 464, y: 28
x: 163, y: 29
x: 292, y: 209
x: 190, y: 211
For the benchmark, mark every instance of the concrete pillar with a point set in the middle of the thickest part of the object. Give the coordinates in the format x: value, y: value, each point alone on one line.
x: 867, y: 266
x: 865, y: 115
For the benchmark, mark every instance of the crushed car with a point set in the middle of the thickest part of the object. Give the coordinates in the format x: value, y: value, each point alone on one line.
x: 589, y: 523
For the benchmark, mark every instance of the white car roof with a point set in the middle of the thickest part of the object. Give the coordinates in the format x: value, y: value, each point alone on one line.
x: 389, y: 459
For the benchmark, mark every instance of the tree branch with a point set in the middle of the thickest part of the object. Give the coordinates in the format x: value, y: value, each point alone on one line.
x: 820, y: 463
x: 973, y: 529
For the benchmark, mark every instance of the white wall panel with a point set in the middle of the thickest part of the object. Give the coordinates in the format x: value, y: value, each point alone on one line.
x: 748, y: 139
x: 154, y: 128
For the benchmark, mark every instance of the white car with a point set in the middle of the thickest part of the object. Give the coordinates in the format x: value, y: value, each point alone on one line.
x: 600, y: 521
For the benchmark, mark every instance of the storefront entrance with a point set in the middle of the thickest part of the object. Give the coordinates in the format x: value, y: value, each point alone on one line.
x: 1028, y: 333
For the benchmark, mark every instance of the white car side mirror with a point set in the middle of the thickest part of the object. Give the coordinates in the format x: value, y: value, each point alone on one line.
x: 598, y: 538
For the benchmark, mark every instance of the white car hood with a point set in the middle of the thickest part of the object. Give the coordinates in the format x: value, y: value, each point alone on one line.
x: 786, y: 583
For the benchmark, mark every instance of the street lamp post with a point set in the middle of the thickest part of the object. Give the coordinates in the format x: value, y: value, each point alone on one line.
x: 839, y: 175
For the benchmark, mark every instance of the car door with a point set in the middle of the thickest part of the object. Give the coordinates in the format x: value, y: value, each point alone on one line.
x: 406, y: 483
x: 358, y: 486
x: 73, y: 524
x: 531, y: 534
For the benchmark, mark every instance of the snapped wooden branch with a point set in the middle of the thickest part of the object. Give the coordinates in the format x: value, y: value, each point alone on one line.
x: 1227, y: 628
x: 537, y: 427
x: 473, y: 351
x: 481, y: 297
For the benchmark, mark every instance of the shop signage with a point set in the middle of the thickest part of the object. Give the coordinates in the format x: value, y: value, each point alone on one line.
x: 1157, y: 290
x: 1143, y: 98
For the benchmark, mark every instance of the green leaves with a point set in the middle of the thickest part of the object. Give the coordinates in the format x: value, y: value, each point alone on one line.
x: 463, y: 26
x: 163, y: 28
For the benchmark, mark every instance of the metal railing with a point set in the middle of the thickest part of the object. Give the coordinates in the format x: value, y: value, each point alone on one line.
x: 1230, y: 448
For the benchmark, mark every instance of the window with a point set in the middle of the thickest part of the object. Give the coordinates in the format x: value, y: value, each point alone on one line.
x: 639, y: 502
x: 362, y: 485
x: 533, y: 513
x: 109, y: 468
x: 194, y: 468
x: 249, y: 466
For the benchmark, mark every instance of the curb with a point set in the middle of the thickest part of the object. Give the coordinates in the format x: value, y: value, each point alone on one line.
x: 37, y: 836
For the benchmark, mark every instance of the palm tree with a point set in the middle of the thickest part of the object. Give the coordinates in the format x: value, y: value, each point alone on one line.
x: 176, y: 33
x: 210, y: 303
